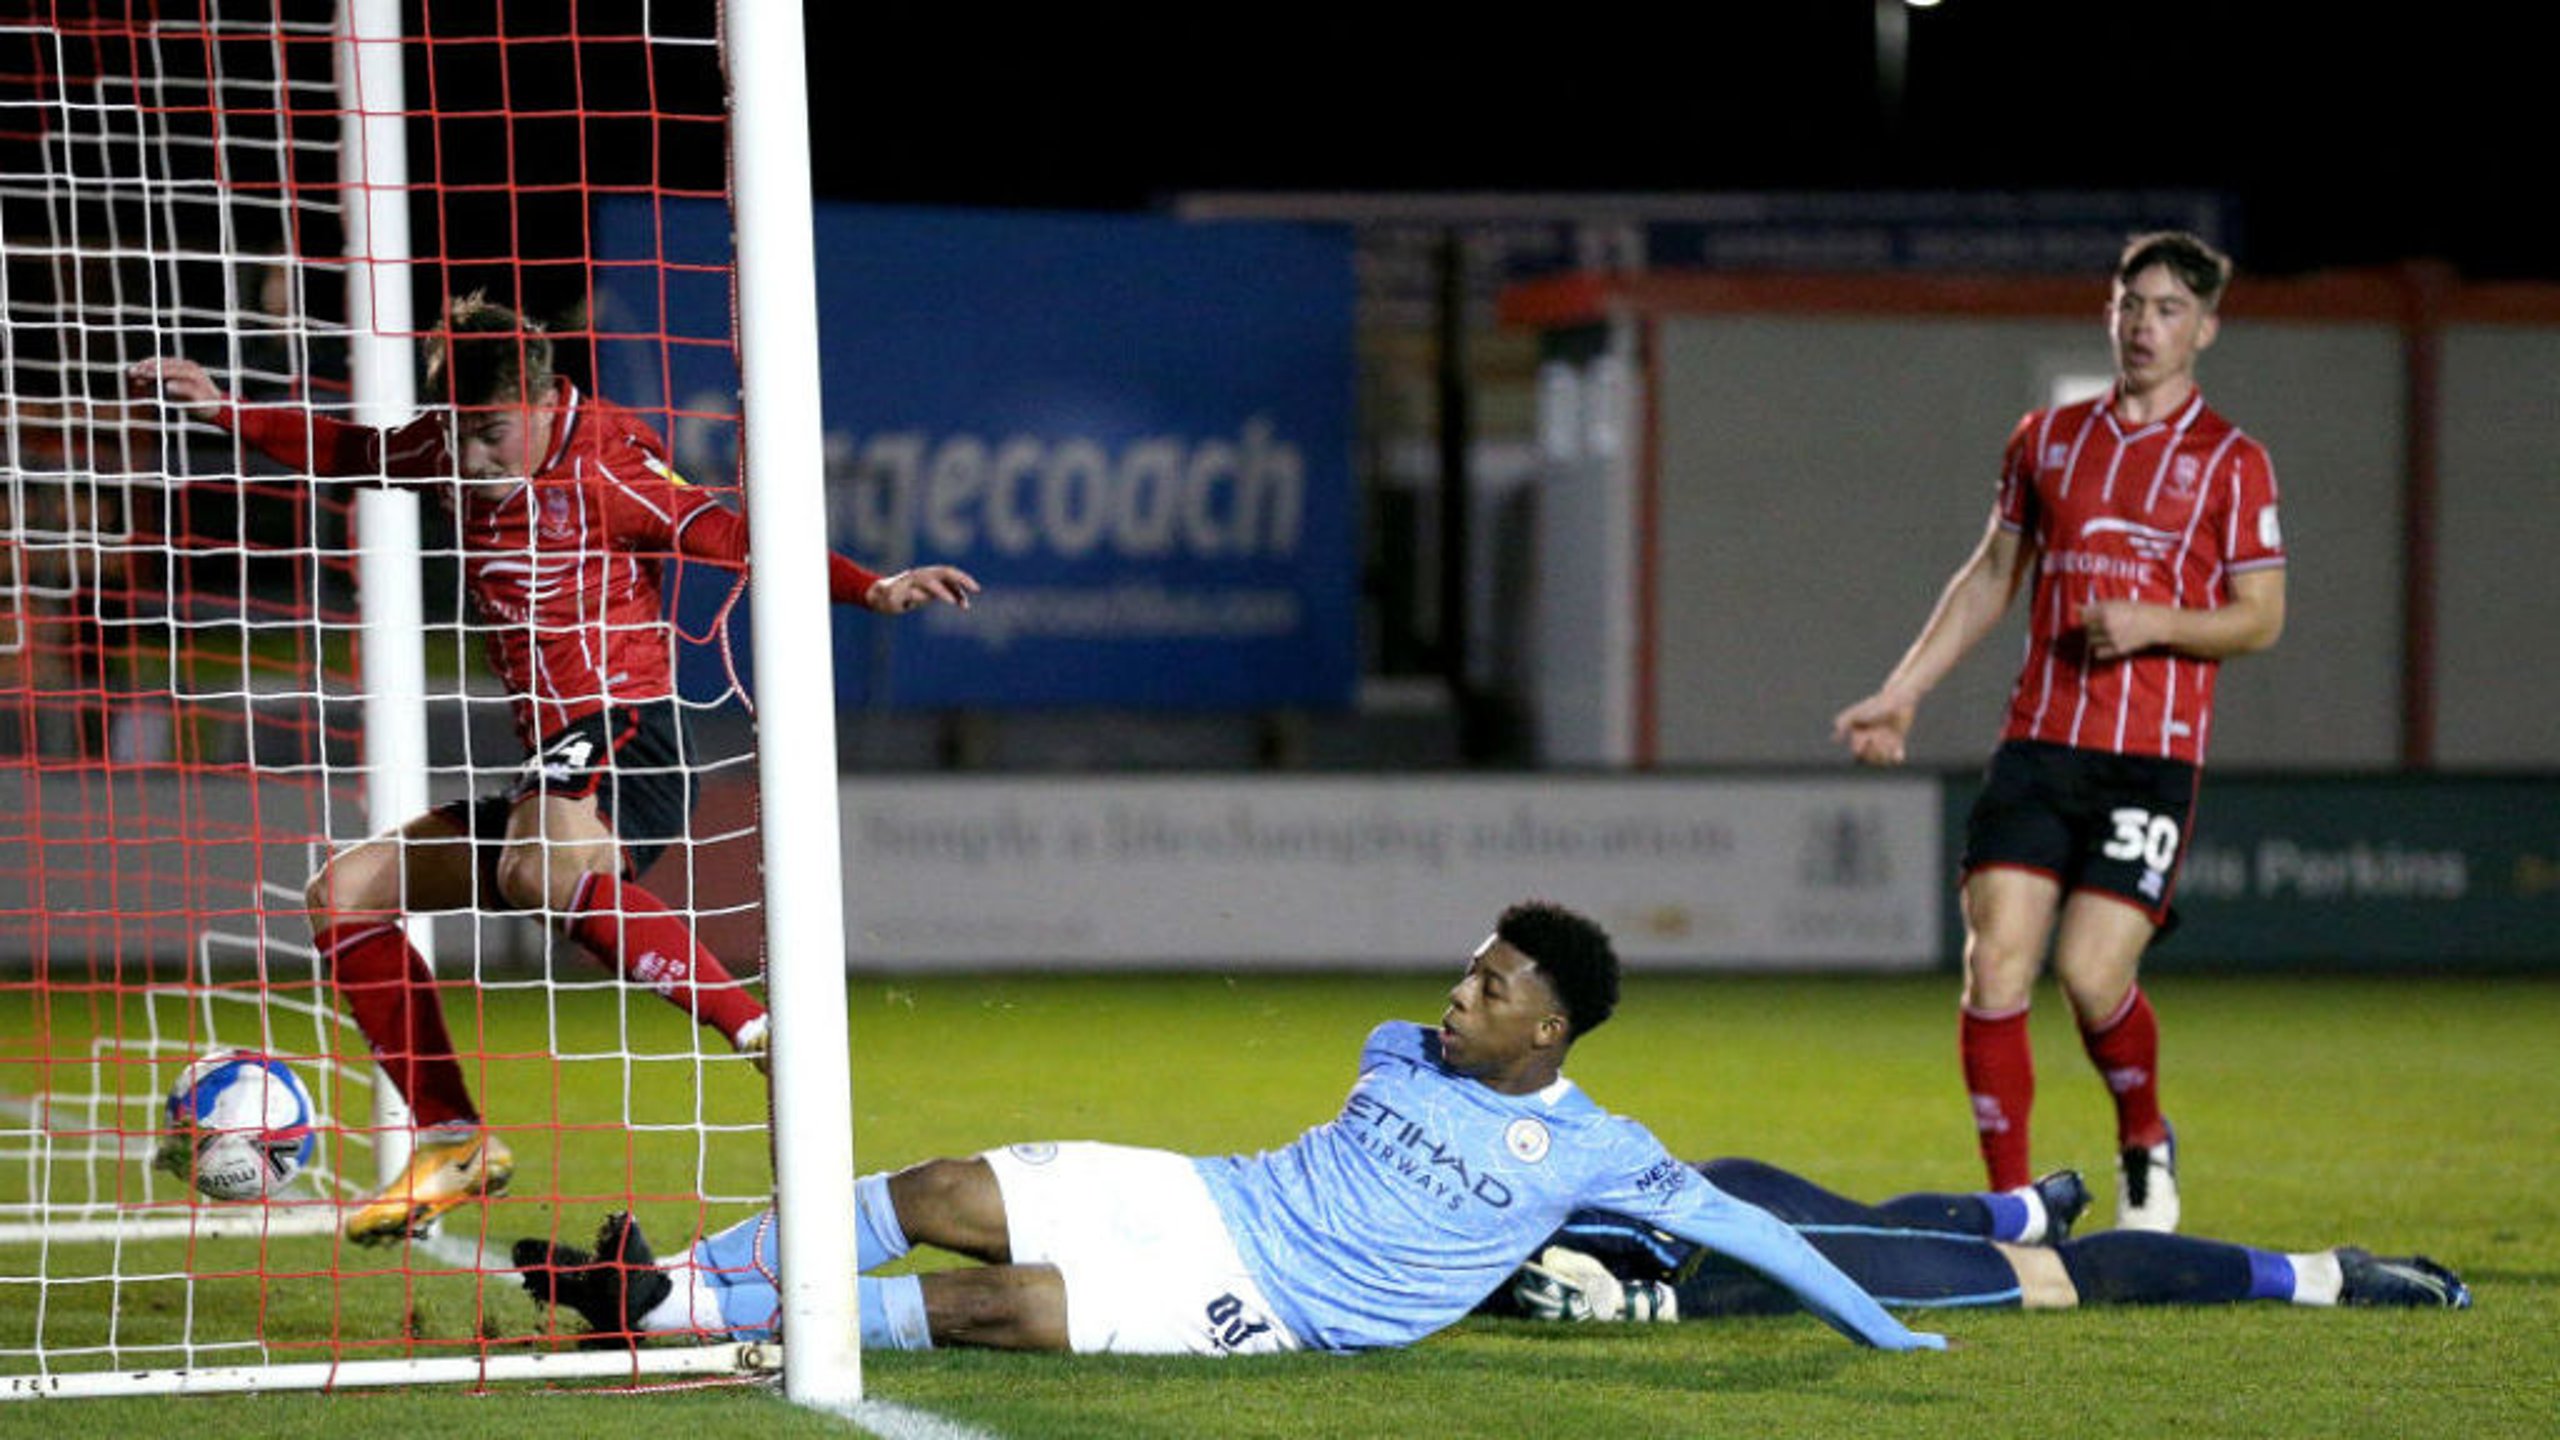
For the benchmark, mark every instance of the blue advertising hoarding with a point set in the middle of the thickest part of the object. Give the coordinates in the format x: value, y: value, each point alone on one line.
x: 1135, y: 432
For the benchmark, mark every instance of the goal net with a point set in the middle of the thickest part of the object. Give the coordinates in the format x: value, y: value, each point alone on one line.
x: 211, y: 681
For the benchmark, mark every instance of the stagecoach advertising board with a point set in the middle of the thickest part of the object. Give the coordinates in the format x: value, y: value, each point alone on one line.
x: 1137, y: 433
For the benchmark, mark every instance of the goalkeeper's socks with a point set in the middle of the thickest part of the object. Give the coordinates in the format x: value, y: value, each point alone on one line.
x: 893, y: 1312
x: 746, y: 1305
x: 2125, y: 1047
x: 2016, y: 1215
x: 652, y: 945
x: 728, y: 1287
x: 2317, y: 1278
x: 694, y: 1308
x: 878, y: 1236
x: 2000, y: 1075
x: 390, y: 992
x: 2141, y: 1267
x: 727, y: 1284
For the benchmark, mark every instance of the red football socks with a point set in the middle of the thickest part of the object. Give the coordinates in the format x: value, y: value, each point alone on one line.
x: 2000, y: 1074
x: 392, y: 995
x: 2125, y: 1047
x: 651, y: 945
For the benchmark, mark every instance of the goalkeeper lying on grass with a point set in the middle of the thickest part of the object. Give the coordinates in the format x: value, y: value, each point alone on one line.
x: 2012, y: 1248
x: 1459, y: 1149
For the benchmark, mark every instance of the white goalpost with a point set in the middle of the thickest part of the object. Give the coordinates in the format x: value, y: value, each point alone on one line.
x: 374, y: 176
x: 214, y: 672
x: 812, y: 1090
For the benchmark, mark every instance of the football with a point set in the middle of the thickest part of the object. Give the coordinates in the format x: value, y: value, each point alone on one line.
x: 239, y: 1126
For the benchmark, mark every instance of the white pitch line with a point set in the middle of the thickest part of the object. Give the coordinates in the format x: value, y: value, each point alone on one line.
x: 897, y: 1422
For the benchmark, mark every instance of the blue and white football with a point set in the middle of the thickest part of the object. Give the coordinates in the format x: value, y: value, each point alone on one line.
x: 240, y: 1126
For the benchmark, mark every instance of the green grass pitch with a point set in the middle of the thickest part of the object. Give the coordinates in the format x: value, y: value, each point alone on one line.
x: 2398, y: 1113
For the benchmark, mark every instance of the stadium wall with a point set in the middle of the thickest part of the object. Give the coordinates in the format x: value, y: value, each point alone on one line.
x: 1746, y: 870
x: 2497, y: 531
x: 1809, y: 457
x: 1845, y: 871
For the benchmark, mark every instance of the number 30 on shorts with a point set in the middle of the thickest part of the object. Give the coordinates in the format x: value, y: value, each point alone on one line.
x: 2144, y: 836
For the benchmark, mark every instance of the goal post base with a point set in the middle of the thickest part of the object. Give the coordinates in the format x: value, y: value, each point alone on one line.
x: 737, y: 1361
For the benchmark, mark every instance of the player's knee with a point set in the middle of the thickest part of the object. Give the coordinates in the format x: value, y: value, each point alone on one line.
x: 1997, y: 976
x: 319, y: 896
x: 524, y: 875
x: 1991, y: 992
x: 953, y: 1204
x: 548, y: 874
x: 353, y: 882
x: 2094, y: 1003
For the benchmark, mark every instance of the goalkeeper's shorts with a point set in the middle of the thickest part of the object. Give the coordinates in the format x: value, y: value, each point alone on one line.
x: 1148, y: 1264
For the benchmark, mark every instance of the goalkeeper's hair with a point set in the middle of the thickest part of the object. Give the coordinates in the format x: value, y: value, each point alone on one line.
x: 2198, y: 266
x: 1574, y: 954
x: 486, y: 354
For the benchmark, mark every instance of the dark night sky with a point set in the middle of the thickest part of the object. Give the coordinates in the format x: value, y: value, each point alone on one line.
x: 2344, y: 141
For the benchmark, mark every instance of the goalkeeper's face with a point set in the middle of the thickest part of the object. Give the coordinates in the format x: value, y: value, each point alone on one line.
x: 1504, y: 1025
x: 502, y: 441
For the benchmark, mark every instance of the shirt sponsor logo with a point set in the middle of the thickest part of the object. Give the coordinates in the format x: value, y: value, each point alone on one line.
x: 1667, y: 1177
x: 2110, y: 567
x: 2148, y: 541
x: 1407, y: 1150
x: 2269, y: 536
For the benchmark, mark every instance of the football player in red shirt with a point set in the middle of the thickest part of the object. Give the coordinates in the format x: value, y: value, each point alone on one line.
x: 568, y: 511
x: 2148, y: 524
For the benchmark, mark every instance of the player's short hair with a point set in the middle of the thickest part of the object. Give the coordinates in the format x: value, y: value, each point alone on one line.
x: 2198, y: 266
x: 486, y: 354
x: 1572, y: 952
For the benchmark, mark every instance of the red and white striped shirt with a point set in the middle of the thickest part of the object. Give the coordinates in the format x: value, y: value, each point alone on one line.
x: 563, y: 569
x: 2166, y: 513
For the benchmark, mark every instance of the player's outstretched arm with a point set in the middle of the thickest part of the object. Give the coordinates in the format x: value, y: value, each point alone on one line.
x: 914, y: 589
x: 293, y: 435
x: 719, y: 534
x: 180, y: 382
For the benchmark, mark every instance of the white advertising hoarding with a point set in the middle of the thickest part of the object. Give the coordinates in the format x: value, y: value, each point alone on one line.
x: 1400, y: 871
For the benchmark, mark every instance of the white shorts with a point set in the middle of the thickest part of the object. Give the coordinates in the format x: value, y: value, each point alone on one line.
x: 1148, y: 1265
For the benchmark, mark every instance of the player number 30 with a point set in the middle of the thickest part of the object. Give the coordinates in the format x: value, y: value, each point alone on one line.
x: 2141, y: 835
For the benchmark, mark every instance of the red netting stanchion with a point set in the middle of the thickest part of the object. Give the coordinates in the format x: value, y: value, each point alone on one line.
x: 193, y: 703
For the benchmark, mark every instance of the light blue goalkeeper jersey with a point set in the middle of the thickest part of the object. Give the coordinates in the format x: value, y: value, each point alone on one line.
x: 1395, y: 1218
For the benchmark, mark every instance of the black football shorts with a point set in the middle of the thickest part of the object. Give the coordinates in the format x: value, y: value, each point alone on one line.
x: 631, y: 758
x: 2091, y: 819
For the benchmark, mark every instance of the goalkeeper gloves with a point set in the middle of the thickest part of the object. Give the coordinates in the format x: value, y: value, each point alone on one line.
x: 1564, y: 1284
